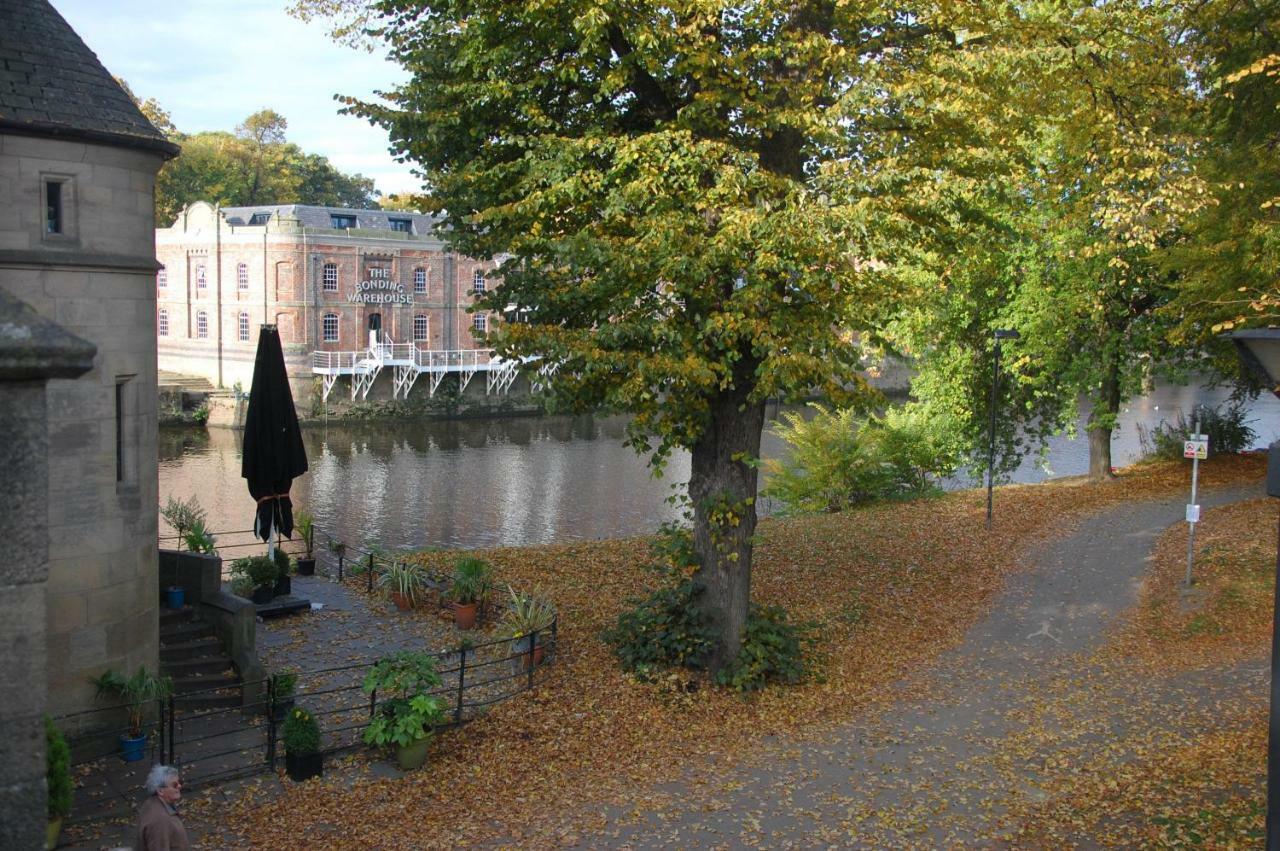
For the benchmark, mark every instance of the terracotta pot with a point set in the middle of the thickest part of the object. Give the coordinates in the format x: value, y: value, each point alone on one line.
x: 414, y: 755
x: 402, y: 601
x: 534, y: 659
x: 464, y: 615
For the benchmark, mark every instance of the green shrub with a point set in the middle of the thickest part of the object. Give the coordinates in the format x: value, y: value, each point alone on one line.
x: 283, y: 684
x: 182, y: 515
x: 839, y: 459
x: 407, y: 713
x: 259, y: 570
x: 1225, y: 427
x: 284, y: 564
x: 665, y: 629
x: 471, y: 579
x: 198, y: 539
x: 301, y: 733
x: 57, y: 771
x: 773, y: 651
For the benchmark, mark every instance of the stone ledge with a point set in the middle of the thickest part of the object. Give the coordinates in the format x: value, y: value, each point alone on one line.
x: 33, y: 348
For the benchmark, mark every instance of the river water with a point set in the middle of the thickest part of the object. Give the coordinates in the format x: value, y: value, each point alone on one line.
x: 531, y: 480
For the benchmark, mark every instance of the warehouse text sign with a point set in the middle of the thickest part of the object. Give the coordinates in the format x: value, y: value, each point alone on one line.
x: 379, y: 289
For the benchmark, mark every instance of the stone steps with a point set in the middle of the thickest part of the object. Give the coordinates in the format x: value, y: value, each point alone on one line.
x: 192, y: 656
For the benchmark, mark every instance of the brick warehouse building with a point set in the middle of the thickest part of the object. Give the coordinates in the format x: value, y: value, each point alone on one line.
x: 327, y: 277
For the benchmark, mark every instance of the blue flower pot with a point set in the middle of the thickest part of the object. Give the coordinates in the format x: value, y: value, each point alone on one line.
x: 132, y: 750
x: 174, y: 597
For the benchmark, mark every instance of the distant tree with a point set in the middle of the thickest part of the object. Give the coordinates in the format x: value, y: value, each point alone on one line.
x: 255, y: 165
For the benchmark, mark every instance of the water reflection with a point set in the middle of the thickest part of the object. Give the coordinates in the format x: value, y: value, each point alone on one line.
x: 513, y: 481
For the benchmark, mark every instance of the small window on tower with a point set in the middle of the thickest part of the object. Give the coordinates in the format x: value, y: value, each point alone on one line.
x: 54, y: 221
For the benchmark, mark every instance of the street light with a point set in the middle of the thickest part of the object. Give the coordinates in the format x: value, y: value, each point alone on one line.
x: 1000, y: 334
x: 1259, y: 350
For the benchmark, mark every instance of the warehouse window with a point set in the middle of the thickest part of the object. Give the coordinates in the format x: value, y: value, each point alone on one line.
x: 330, y: 328
x: 330, y: 277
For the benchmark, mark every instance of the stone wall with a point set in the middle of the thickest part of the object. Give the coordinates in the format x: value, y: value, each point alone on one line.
x: 97, y: 280
x: 32, y: 350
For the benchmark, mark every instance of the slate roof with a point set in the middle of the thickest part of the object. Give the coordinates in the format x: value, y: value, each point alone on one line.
x: 319, y: 217
x: 51, y: 83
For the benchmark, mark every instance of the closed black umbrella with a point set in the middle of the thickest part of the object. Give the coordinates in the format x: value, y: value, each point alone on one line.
x: 273, y: 452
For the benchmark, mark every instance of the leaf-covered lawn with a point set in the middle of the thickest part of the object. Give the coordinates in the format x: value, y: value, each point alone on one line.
x: 892, y: 586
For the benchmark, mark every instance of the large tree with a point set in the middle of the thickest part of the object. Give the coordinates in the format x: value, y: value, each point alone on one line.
x: 696, y: 204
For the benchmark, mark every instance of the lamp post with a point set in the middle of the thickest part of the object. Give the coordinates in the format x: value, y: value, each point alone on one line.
x: 1259, y: 350
x: 1000, y: 334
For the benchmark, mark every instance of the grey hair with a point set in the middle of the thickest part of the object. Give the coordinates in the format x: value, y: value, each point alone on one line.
x: 159, y: 776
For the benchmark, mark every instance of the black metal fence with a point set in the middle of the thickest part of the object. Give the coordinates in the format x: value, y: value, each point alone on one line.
x: 222, y: 743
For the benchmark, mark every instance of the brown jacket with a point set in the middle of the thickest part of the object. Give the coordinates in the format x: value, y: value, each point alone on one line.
x: 159, y: 828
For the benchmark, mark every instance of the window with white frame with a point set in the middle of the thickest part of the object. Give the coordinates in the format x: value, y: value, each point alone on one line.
x: 242, y: 276
x: 242, y: 327
x: 162, y: 323
x: 329, y: 328
x: 201, y: 280
x: 419, y: 280
x: 331, y: 277
x: 477, y: 282
x: 420, y: 328
x: 162, y: 277
x: 202, y: 325
x: 479, y: 323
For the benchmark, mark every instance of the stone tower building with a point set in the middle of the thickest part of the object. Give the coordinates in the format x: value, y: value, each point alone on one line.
x: 78, y: 164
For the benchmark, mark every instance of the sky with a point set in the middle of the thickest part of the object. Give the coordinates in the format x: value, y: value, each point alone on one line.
x: 212, y: 63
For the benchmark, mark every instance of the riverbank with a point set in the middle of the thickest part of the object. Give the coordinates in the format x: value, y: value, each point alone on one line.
x: 893, y: 587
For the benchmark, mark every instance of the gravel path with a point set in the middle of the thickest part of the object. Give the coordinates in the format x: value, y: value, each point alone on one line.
x: 1016, y: 704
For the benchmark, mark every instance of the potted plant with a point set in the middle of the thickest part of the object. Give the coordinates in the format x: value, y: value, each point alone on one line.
x: 57, y: 781
x: 408, y: 715
x: 182, y: 515
x: 261, y: 572
x: 135, y: 692
x: 471, y: 578
x: 302, y: 757
x: 402, y: 581
x: 283, y: 684
x: 527, y: 620
x: 198, y: 539
x: 283, y: 584
x: 306, y: 526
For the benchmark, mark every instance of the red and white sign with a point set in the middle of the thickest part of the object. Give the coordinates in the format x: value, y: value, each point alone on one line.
x: 1197, y: 447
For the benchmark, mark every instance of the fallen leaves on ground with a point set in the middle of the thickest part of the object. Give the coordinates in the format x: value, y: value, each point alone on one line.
x: 893, y: 586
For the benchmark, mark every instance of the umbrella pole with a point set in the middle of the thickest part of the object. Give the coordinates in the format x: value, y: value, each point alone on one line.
x: 271, y: 541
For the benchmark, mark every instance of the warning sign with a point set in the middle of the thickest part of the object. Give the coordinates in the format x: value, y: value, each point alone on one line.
x: 1196, y: 447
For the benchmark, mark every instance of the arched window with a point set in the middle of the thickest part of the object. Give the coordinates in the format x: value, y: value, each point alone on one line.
x: 329, y: 326
x: 242, y: 276
x: 162, y: 277
x: 162, y: 323
x: 480, y: 323
x: 202, y: 325
x: 419, y: 280
x: 201, y: 280
x: 242, y: 327
x: 477, y: 282
x: 420, y: 328
x: 331, y: 277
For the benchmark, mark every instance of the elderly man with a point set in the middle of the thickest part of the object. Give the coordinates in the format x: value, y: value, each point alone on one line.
x: 159, y: 828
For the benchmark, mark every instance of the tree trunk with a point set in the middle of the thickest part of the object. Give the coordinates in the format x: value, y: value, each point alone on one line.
x: 722, y: 488
x: 1101, y: 426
